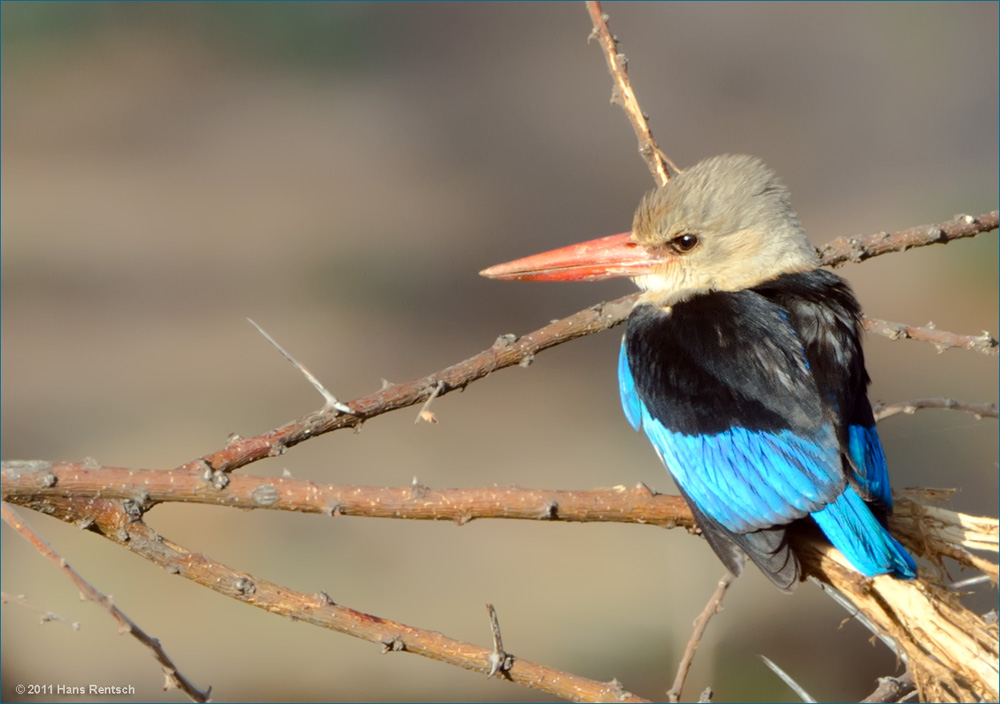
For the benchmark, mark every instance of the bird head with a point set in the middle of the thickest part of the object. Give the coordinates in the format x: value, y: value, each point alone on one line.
x: 725, y: 224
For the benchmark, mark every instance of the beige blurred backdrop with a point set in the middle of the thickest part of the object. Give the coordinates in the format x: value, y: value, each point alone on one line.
x: 340, y: 173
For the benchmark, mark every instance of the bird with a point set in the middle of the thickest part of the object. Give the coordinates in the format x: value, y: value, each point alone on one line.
x: 742, y: 362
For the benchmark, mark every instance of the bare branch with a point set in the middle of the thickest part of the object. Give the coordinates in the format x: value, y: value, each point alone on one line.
x: 659, y: 164
x: 174, y: 678
x: 979, y: 410
x: 858, y: 249
x: 110, y: 520
x: 951, y: 651
x: 507, y: 351
x: 713, y: 607
x: 984, y: 343
x: 30, y: 483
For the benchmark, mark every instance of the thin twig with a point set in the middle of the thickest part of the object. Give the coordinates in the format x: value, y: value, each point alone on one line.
x: 984, y: 343
x: 713, y: 607
x: 659, y: 164
x: 45, y: 616
x: 858, y: 248
x: 787, y: 679
x: 113, y: 523
x: 174, y: 678
x: 506, y: 351
x: 979, y: 410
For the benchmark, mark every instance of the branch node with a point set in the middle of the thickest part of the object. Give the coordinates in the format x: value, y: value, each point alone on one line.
x: 244, y: 586
x: 265, y: 495
x: 417, y: 490
x: 505, y: 341
x: 425, y: 414
x: 206, y: 470
x: 392, y: 645
x: 132, y: 509
x: 220, y: 480
x: 618, y: 690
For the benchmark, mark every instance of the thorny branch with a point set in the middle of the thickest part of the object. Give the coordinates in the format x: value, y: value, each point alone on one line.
x: 112, y: 520
x: 29, y: 483
x: 659, y: 164
x: 858, y: 249
x: 900, y: 609
x: 508, y: 351
x: 952, y: 652
x: 984, y: 343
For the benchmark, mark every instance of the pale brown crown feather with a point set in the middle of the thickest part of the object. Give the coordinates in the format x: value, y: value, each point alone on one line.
x: 743, y: 215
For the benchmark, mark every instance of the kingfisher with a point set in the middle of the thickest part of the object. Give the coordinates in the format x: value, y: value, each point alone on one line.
x: 742, y: 363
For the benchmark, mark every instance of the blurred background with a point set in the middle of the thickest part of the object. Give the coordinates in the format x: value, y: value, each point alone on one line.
x: 340, y: 173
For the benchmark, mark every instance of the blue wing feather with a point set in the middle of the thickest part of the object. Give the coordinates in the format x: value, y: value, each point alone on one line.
x: 750, y: 478
x: 626, y: 387
x: 872, y: 473
x: 853, y: 529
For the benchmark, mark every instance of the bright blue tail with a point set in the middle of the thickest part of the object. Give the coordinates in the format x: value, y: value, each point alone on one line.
x: 854, y: 530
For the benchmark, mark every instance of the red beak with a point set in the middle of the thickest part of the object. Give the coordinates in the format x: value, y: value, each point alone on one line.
x: 604, y: 258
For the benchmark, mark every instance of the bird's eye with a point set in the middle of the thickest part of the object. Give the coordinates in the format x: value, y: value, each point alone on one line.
x: 685, y: 242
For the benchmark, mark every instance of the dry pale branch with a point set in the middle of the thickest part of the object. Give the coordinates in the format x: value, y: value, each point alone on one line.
x: 952, y: 653
x: 174, y: 678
